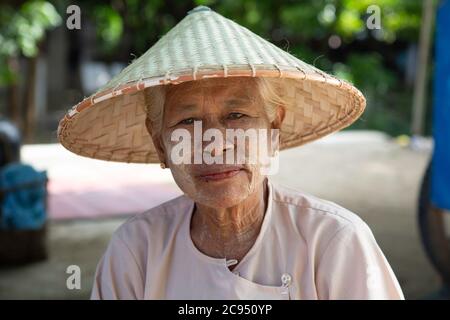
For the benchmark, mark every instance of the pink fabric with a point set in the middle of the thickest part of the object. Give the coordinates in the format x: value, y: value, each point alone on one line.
x: 85, y: 199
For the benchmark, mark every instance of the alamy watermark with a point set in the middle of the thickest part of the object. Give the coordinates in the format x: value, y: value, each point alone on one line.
x: 373, y: 21
x: 74, y: 19
x: 239, y: 146
x: 73, y: 282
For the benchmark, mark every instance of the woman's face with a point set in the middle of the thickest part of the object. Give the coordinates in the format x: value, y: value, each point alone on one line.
x: 230, y: 103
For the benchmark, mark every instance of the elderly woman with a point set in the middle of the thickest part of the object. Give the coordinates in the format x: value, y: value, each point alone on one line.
x: 233, y: 234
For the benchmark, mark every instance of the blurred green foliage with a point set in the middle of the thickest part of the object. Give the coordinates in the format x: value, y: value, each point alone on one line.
x: 109, y: 26
x: 21, y: 31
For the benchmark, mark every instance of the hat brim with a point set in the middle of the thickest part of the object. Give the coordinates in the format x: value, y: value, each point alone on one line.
x: 110, y: 125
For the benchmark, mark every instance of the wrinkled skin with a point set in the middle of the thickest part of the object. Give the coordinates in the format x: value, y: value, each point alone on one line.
x: 228, y: 212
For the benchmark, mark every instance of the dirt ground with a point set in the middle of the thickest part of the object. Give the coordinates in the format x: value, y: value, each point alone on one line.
x: 366, y: 172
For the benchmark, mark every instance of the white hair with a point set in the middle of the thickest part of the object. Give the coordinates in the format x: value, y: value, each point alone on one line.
x: 271, y: 91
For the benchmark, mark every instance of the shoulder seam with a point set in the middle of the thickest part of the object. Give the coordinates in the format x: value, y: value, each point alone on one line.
x: 313, y: 208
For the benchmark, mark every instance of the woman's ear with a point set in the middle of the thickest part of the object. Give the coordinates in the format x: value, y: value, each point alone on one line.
x: 279, y: 117
x: 156, y: 138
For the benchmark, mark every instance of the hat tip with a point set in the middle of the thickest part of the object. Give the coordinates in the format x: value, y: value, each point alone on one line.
x: 198, y: 9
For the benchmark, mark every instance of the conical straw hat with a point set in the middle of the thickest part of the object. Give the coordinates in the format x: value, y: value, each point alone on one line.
x: 110, y: 124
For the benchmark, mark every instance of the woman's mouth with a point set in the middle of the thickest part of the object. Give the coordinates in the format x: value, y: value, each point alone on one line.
x: 220, y: 175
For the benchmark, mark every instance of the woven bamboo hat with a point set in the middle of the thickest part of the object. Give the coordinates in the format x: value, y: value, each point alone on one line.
x: 110, y: 124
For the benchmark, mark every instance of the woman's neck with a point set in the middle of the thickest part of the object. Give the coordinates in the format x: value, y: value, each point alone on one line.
x: 229, y: 232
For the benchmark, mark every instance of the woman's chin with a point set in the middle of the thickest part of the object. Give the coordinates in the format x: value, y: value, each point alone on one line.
x: 223, y: 193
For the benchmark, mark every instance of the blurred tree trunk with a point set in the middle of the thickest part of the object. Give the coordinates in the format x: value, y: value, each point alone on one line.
x: 29, y: 101
x: 13, y: 106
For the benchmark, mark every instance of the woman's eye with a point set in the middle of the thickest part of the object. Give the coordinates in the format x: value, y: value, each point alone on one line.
x: 235, y: 115
x: 187, y: 121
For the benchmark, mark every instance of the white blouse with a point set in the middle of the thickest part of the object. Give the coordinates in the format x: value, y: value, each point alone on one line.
x: 307, y: 248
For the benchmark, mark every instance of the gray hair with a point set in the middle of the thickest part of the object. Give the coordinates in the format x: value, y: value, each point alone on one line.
x: 271, y: 91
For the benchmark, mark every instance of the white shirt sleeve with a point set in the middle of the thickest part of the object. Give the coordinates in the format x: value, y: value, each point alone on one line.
x: 354, y: 267
x: 118, y: 275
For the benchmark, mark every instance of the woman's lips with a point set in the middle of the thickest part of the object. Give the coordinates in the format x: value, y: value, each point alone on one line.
x: 220, y: 175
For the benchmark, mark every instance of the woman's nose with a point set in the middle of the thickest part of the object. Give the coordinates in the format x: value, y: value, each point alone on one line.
x: 213, y: 122
x: 227, y: 147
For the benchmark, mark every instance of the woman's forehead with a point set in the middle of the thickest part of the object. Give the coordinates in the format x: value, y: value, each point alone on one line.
x: 217, y: 86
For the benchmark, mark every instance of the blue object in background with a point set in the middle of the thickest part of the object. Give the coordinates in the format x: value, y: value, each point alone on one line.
x: 24, y: 208
x: 440, y: 168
